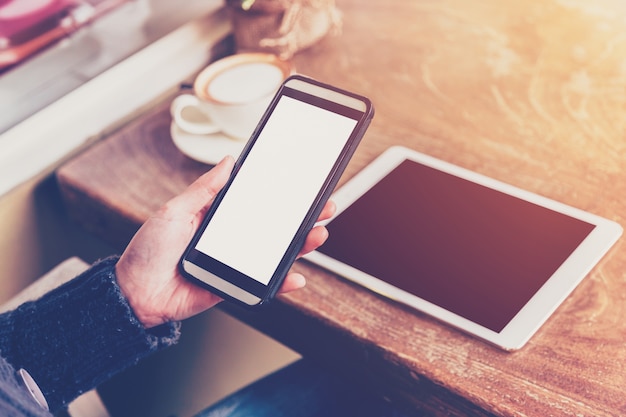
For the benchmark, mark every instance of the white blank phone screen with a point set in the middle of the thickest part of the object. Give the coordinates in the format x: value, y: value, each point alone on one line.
x: 275, y: 187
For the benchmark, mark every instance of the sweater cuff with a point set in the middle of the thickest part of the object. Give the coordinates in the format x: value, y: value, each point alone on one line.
x: 80, y: 334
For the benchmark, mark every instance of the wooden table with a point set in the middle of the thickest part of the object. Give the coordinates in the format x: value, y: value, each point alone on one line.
x: 532, y: 93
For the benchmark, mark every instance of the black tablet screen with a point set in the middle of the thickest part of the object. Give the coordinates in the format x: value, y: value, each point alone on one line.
x: 475, y: 251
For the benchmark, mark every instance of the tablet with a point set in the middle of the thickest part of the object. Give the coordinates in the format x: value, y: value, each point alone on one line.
x: 483, y: 256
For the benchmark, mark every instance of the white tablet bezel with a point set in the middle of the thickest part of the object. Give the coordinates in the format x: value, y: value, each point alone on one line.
x: 528, y: 320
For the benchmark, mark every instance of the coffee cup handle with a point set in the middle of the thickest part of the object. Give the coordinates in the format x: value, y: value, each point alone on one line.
x: 188, y: 114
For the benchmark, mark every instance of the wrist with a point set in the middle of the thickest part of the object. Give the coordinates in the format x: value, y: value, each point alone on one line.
x: 135, y: 297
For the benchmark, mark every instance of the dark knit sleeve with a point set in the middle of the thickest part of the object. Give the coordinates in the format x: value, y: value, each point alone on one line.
x: 79, y: 335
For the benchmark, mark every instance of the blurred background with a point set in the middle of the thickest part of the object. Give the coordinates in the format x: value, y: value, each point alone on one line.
x: 50, y: 52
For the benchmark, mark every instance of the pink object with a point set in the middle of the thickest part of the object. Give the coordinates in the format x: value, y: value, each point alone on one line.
x: 22, y: 20
x: 27, y: 26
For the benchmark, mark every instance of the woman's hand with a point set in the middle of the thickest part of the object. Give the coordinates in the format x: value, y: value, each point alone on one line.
x: 147, y: 271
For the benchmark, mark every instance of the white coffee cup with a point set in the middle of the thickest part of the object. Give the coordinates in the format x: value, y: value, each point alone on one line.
x: 230, y: 95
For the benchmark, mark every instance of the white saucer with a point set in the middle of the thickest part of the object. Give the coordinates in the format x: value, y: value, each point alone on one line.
x: 209, y: 149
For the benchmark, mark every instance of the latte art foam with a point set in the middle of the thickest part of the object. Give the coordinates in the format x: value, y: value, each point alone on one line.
x: 245, y: 83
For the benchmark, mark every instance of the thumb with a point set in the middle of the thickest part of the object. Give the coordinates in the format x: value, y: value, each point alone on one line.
x: 198, y: 195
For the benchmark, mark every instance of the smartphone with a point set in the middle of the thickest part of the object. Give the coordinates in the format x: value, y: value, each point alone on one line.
x: 286, y: 172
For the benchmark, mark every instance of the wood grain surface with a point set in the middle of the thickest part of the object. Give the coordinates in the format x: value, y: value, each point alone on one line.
x: 532, y: 93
